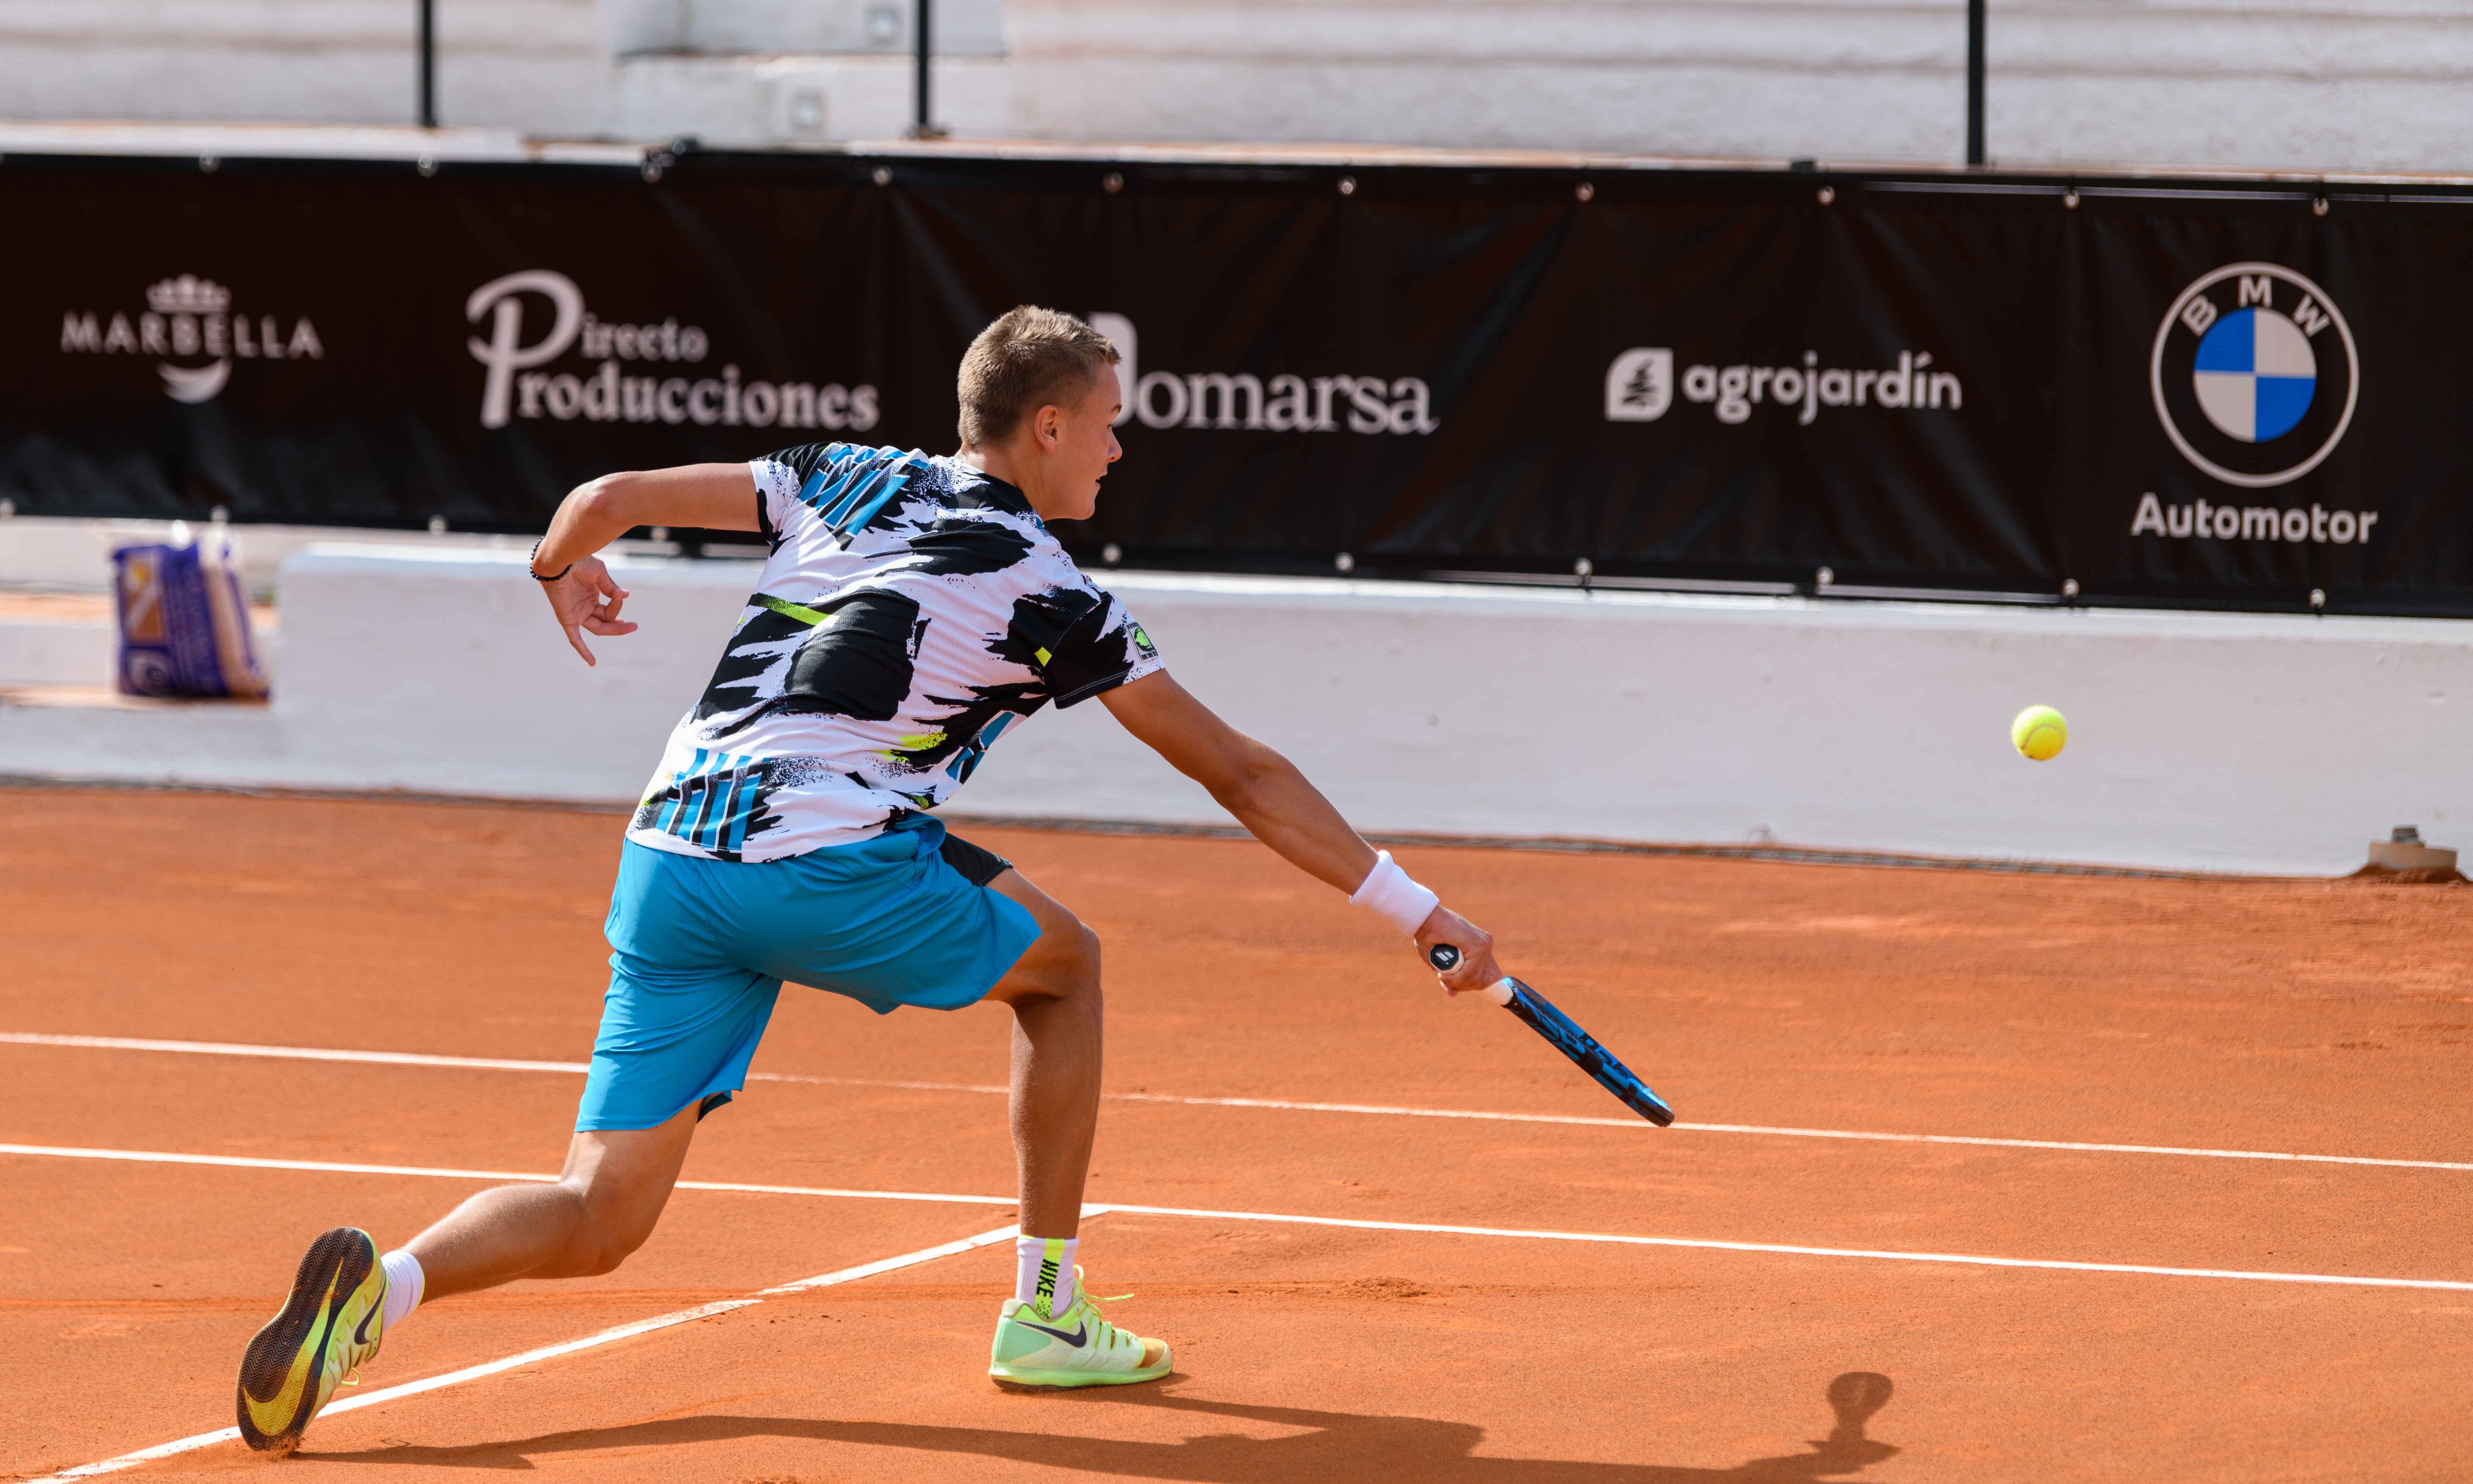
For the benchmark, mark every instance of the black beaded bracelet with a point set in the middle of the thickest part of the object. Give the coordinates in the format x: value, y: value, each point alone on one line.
x: 536, y: 557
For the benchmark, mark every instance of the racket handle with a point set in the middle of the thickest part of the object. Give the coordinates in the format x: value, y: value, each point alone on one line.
x: 1445, y: 958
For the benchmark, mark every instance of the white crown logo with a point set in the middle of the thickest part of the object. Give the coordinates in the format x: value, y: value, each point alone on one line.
x: 189, y: 294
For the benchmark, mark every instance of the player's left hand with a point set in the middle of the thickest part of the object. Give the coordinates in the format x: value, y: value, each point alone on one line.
x: 587, y: 599
x: 1476, y: 968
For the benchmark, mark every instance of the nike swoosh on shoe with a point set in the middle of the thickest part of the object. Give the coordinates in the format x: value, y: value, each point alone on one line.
x: 1077, y: 1339
x: 272, y: 1412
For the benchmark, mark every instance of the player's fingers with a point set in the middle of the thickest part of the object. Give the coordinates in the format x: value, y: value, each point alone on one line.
x: 608, y: 627
x: 1476, y: 968
x: 577, y: 639
x: 1458, y: 950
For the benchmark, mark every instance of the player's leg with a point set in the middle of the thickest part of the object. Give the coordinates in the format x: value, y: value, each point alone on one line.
x: 678, y: 1027
x: 1052, y: 1334
x: 603, y: 1207
x: 1053, y: 992
x: 344, y: 1297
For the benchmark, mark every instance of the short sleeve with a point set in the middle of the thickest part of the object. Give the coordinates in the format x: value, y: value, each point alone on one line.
x: 780, y: 512
x: 1101, y: 649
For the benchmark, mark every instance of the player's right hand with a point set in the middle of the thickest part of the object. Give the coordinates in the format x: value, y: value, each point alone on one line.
x: 588, y: 598
x: 1476, y: 968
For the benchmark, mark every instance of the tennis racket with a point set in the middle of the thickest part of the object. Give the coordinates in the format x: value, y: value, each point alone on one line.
x: 1539, y: 1014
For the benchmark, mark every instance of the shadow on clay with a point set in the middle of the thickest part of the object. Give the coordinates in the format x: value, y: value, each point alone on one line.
x: 1338, y: 1444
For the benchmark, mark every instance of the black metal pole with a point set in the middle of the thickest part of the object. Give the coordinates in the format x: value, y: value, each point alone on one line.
x: 429, y: 64
x: 921, y: 126
x: 1974, y: 81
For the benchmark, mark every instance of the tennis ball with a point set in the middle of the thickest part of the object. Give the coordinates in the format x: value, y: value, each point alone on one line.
x: 2039, y: 732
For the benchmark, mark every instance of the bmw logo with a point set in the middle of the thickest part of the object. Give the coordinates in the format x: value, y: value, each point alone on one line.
x: 2254, y: 375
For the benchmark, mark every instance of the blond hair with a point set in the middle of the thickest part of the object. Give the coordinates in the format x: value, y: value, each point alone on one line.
x: 1028, y: 359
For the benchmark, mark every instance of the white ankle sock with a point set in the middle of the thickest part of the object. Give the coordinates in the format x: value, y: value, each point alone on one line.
x: 404, y: 1283
x: 1044, y: 1271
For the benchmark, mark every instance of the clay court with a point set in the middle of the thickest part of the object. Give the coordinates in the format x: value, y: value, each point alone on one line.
x: 1533, y: 1288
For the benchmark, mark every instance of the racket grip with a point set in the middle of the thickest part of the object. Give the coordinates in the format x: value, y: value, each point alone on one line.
x: 1445, y: 958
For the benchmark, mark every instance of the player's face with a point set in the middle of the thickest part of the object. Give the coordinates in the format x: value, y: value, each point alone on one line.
x: 1086, y: 444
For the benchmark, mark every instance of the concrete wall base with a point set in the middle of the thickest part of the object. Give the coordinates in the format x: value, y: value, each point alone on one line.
x: 2207, y: 742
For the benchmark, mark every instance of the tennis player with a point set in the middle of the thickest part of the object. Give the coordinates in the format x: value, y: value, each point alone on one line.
x: 912, y: 611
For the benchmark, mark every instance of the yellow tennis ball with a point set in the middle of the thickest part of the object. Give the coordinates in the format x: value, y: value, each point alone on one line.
x: 2039, y: 732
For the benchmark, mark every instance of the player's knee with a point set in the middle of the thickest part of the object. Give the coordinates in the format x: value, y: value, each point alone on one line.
x: 1064, y: 963
x: 606, y: 1243
x: 1073, y: 965
x: 1086, y: 954
x: 610, y: 1224
x: 1071, y: 953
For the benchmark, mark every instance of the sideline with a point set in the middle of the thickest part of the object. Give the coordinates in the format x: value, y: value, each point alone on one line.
x: 1103, y: 1208
x: 578, y: 1068
x: 489, y: 1368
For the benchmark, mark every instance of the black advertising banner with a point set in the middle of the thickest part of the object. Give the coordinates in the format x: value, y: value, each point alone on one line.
x: 2129, y: 391
x: 333, y: 347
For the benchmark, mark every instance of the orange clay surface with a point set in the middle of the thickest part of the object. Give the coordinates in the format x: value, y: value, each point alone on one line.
x: 2298, y: 1017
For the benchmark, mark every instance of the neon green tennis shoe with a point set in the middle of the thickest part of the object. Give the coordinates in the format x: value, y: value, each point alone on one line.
x: 328, y: 1326
x: 1034, y: 1348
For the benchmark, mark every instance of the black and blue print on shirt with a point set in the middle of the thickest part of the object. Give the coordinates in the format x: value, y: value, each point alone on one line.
x: 912, y: 612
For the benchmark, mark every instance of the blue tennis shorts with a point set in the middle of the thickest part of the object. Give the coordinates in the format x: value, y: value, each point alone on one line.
x: 699, y: 948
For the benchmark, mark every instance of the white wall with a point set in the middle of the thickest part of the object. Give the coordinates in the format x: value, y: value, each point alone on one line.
x: 2221, y: 742
x: 534, y: 65
x: 2309, y: 85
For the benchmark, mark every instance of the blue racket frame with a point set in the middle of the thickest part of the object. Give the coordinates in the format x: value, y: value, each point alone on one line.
x: 1539, y: 1014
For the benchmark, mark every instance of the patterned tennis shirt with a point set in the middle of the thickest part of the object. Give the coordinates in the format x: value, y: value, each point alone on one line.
x: 913, y: 609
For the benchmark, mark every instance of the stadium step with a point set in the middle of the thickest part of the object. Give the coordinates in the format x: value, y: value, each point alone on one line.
x: 55, y: 640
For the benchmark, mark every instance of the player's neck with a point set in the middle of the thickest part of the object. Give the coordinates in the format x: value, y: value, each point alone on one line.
x: 999, y: 464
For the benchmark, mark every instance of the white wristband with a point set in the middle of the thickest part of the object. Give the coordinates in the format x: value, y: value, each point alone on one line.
x: 1390, y: 893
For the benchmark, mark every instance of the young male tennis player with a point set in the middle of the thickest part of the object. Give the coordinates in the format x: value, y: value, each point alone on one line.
x: 912, y: 609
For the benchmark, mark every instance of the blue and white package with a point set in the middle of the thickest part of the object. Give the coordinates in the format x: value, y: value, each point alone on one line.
x: 184, y: 627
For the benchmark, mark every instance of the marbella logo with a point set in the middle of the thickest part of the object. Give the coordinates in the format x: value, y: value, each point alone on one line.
x: 1285, y: 403
x: 189, y: 319
x: 604, y: 392
x: 2254, y: 375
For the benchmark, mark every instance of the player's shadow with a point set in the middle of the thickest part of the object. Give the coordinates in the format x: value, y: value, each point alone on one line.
x: 1334, y: 1446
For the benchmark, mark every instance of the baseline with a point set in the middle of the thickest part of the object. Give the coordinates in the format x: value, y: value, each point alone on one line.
x: 1103, y: 1208
x: 579, y: 1068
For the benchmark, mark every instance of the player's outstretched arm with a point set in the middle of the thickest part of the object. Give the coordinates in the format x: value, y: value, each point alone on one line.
x: 1274, y: 800
x: 581, y: 591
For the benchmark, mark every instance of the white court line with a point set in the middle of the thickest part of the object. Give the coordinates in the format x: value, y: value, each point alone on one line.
x: 426, y: 1172
x: 500, y: 1063
x: 1966, y: 1259
x: 289, y: 1053
x: 683, y: 1316
x: 1710, y: 1244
